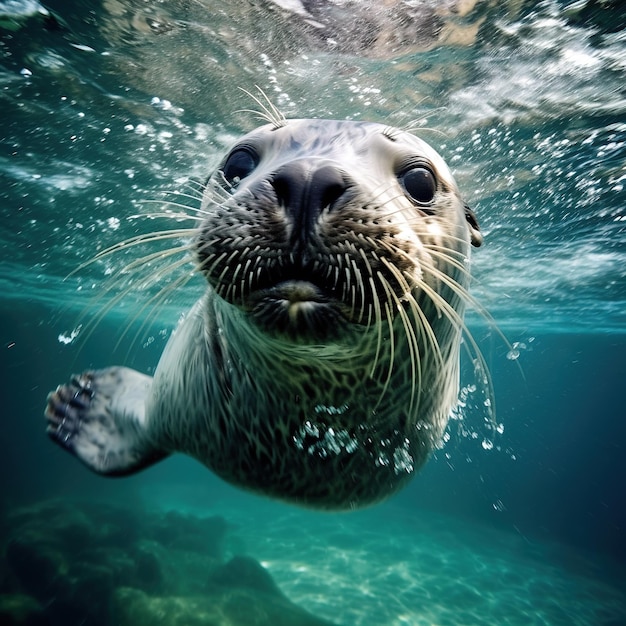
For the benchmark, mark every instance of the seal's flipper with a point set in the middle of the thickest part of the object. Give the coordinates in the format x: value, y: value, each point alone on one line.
x: 100, y: 418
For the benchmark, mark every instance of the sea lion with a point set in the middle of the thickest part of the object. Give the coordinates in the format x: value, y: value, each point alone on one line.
x: 322, y: 362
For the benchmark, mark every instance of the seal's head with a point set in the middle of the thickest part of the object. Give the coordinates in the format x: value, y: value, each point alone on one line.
x: 314, y: 227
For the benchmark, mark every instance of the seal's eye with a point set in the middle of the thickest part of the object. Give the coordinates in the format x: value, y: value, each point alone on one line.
x: 239, y: 164
x: 420, y: 184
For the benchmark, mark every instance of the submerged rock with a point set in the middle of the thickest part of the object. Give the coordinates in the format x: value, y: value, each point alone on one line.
x: 18, y: 609
x: 36, y: 565
x: 221, y: 606
x: 245, y: 573
x: 76, y: 564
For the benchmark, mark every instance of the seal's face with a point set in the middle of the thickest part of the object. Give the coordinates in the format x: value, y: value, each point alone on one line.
x: 316, y: 226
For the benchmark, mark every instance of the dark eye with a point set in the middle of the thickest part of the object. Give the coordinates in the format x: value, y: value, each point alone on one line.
x: 419, y: 183
x: 239, y: 164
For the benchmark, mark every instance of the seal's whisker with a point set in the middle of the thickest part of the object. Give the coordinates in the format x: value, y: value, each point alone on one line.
x: 468, y: 298
x: 155, y: 256
x: 229, y: 259
x: 417, y: 125
x: 449, y: 238
x: 426, y: 330
x: 361, y: 289
x: 109, y: 305
x: 143, y: 264
x: 379, y: 191
x: 466, y: 295
x: 196, y: 196
x: 194, y: 190
x: 175, y: 215
x: 463, y: 293
x: 424, y: 336
x: 189, y: 212
x: 409, y: 331
x: 378, y: 320
x: 155, y: 301
x: 452, y: 283
x: 216, y: 191
x: 219, y: 186
x: 269, y: 112
x: 257, y: 268
x: 347, y: 284
x: 170, y: 215
x: 451, y: 313
x: 391, y: 349
x: 353, y: 302
x: 410, y: 336
x: 449, y: 255
x: 398, y: 207
x: 135, y: 241
x: 242, y: 290
x: 217, y: 259
x: 473, y: 302
x: 402, y: 282
x: 195, y: 184
x: 366, y: 261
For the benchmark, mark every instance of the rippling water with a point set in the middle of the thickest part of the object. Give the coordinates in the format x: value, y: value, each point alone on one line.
x: 107, y: 106
x: 111, y: 105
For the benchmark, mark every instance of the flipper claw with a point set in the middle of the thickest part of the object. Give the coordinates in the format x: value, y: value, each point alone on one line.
x: 99, y: 417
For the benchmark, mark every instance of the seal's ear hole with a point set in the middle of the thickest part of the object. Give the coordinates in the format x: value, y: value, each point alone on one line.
x: 419, y: 183
x: 475, y: 234
x: 240, y: 163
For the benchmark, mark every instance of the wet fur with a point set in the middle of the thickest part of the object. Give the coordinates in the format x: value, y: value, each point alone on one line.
x: 337, y: 413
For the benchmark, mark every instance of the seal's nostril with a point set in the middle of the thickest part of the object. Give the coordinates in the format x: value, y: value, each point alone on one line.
x: 286, y: 187
x: 326, y: 187
x: 305, y: 191
x: 299, y: 189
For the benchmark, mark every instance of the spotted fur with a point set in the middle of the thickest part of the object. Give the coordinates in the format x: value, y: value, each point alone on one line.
x: 322, y: 363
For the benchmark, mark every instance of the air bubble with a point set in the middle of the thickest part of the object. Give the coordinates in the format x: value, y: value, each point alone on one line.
x: 512, y: 355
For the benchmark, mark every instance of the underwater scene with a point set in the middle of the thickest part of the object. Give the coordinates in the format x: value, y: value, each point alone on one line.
x: 113, y: 115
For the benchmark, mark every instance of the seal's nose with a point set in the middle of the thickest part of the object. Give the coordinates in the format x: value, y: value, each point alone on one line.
x: 305, y: 190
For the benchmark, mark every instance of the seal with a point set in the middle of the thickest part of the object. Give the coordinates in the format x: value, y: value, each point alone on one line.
x: 321, y: 364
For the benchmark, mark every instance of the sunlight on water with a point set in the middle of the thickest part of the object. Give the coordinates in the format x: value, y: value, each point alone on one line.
x: 532, y: 127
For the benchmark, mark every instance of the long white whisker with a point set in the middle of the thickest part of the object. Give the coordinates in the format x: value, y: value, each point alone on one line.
x: 269, y: 112
x: 378, y: 320
x: 134, y: 241
x: 186, y: 209
x: 155, y: 301
x: 159, y: 255
x: 451, y: 313
x: 195, y: 196
x: 392, y: 350
x: 169, y: 215
x: 410, y: 336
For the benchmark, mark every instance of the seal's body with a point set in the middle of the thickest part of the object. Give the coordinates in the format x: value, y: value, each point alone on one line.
x: 322, y: 363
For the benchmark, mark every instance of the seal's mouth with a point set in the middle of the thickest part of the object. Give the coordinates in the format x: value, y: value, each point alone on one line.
x: 297, y: 309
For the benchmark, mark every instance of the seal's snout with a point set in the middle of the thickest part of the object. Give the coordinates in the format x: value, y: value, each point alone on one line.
x: 305, y: 189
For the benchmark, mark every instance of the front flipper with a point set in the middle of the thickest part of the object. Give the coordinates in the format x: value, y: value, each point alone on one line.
x: 100, y: 418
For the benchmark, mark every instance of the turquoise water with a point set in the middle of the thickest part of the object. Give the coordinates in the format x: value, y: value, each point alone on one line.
x: 107, y: 106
